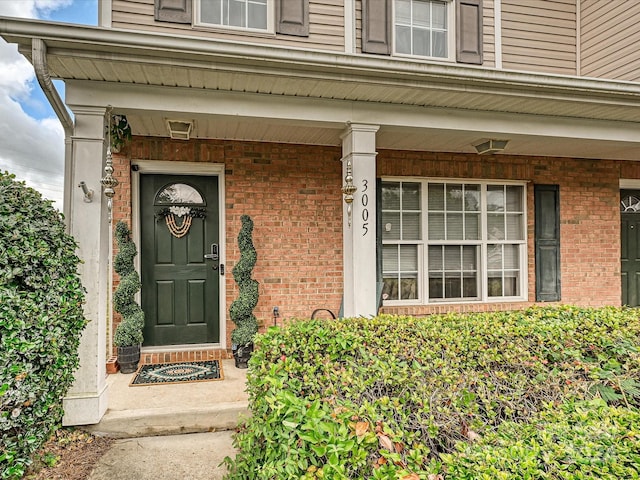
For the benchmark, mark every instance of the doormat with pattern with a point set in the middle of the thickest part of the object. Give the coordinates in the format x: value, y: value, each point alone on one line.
x: 183, y: 372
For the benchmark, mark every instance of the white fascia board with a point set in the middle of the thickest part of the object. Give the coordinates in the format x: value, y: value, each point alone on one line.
x: 337, y: 113
x: 182, y: 50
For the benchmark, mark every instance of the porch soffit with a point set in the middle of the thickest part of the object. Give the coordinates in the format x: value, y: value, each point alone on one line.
x: 362, y: 85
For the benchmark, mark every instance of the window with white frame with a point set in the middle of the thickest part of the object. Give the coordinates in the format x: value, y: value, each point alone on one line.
x: 447, y: 241
x: 423, y: 27
x: 246, y: 14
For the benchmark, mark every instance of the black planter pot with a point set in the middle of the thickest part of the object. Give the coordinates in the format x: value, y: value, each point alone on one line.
x: 128, y: 358
x: 242, y: 354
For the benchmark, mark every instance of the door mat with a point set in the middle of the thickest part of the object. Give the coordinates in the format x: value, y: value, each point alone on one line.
x: 183, y: 372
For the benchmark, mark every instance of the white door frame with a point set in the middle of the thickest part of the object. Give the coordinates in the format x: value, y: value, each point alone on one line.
x: 183, y: 168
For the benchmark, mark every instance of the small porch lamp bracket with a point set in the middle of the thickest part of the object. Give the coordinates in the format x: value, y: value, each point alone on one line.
x: 88, y: 194
x: 349, y: 189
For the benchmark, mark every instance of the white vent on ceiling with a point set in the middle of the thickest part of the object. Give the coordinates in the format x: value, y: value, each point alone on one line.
x: 180, y: 129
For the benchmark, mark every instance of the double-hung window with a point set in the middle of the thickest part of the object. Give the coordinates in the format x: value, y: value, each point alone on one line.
x: 423, y: 27
x: 243, y: 14
x: 451, y: 241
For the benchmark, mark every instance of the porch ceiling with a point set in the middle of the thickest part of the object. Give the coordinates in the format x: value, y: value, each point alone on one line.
x: 389, y: 137
x: 129, y: 59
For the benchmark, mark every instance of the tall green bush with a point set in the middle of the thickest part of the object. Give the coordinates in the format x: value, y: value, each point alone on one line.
x: 41, y: 319
x: 241, y: 310
x: 129, y: 331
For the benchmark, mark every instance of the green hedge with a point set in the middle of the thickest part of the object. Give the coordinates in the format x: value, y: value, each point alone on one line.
x: 391, y: 397
x: 578, y: 440
x: 41, y: 319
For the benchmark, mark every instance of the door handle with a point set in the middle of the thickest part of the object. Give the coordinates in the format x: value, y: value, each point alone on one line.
x: 214, y: 253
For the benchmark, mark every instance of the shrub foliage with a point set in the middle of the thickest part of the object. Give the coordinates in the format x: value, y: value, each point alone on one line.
x: 129, y: 331
x: 400, y: 397
x: 241, y: 309
x: 41, y: 319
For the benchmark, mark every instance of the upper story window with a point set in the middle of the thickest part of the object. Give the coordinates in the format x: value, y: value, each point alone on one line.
x: 423, y: 27
x: 430, y: 29
x: 243, y: 14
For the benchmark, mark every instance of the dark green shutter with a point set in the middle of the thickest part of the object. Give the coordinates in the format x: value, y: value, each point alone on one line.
x: 376, y: 26
x: 379, y: 281
x: 175, y: 11
x: 292, y: 17
x: 469, y: 36
x: 547, y: 242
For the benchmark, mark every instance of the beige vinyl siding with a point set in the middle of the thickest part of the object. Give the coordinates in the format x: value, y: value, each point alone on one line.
x: 539, y: 36
x: 326, y: 25
x: 489, y: 34
x: 609, y: 39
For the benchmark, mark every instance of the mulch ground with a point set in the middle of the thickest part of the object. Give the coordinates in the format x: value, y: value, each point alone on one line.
x: 69, y: 455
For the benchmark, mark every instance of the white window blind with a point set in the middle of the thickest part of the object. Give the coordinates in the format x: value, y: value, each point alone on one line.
x: 472, y: 235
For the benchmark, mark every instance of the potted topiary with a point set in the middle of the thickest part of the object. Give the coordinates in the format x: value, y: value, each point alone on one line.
x: 241, y: 310
x: 128, y: 335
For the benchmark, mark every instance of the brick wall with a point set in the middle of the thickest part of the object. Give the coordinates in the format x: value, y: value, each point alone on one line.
x: 292, y: 192
x: 589, y: 216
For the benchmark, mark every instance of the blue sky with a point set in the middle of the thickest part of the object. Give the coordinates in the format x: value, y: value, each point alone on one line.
x: 32, y: 147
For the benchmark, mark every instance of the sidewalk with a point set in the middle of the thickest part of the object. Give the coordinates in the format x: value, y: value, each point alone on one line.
x: 173, y: 457
x: 175, y: 431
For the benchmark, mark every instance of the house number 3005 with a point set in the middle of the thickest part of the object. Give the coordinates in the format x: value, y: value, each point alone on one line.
x: 364, y: 199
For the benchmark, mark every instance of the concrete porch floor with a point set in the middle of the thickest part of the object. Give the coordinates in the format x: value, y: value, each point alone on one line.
x: 176, y: 408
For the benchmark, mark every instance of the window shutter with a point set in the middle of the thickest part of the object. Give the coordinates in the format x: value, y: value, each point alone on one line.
x: 376, y: 26
x: 547, y: 242
x: 292, y: 17
x: 175, y: 11
x: 379, y: 280
x: 469, y: 31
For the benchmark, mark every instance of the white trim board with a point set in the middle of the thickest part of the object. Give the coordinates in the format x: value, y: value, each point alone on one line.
x: 630, y: 183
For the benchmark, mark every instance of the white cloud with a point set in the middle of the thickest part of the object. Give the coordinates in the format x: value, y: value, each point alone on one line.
x: 31, y: 8
x: 32, y: 149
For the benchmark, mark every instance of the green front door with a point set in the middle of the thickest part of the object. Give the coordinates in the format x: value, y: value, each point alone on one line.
x: 630, y: 246
x: 180, y: 271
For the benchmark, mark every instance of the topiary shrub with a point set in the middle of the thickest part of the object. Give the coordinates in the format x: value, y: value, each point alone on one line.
x: 241, y: 310
x: 41, y: 320
x: 129, y: 331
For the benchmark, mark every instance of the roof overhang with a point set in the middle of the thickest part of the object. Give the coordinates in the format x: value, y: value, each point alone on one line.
x: 478, y: 102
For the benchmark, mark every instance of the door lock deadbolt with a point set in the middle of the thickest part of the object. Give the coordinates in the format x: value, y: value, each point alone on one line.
x: 214, y: 253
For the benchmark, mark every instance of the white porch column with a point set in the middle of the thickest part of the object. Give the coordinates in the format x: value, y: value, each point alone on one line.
x: 359, y: 238
x: 86, y: 401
